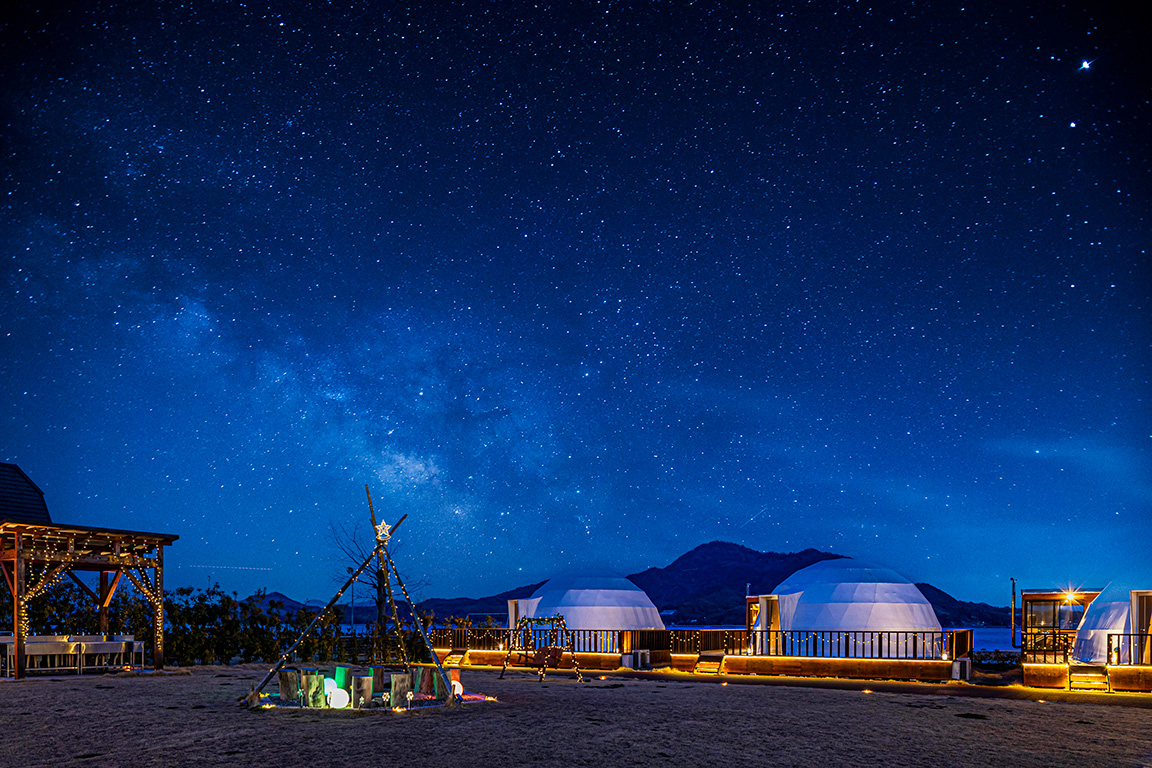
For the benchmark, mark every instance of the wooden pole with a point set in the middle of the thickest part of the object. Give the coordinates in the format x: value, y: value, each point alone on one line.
x: 453, y: 700
x: 158, y: 607
x: 18, y: 610
x: 288, y: 653
x: 103, y: 604
x: 386, y: 580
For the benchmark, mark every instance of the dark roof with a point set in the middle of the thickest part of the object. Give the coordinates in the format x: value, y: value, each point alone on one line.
x: 20, y: 499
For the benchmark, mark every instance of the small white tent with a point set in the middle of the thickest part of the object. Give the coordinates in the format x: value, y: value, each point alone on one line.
x: 593, y: 601
x: 1109, y: 614
x: 846, y: 594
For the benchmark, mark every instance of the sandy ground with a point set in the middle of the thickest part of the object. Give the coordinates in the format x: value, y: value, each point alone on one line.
x: 195, y: 720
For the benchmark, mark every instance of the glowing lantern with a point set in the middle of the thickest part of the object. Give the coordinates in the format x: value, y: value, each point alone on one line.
x: 338, y: 698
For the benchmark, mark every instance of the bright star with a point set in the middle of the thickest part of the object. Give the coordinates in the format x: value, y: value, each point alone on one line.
x: 1085, y: 64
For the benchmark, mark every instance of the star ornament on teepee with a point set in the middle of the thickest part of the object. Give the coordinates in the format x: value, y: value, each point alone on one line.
x: 382, y: 533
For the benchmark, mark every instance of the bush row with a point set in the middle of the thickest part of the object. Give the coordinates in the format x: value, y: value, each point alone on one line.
x: 210, y: 626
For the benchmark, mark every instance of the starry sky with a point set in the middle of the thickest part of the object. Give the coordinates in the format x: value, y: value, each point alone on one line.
x: 583, y: 284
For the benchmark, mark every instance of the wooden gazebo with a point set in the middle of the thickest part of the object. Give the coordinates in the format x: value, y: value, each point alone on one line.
x: 28, y: 536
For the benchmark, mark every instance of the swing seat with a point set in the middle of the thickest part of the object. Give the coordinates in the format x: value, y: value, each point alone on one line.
x: 540, y: 659
x: 548, y: 656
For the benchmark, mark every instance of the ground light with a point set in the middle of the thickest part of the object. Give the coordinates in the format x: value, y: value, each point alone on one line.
x: 338, y: 699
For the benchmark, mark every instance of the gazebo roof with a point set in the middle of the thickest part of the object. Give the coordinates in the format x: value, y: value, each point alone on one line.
x: 21, y: 501
x: 23, y: 511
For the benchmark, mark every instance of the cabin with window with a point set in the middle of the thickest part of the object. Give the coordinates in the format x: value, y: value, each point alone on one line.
x: 1087, y: 639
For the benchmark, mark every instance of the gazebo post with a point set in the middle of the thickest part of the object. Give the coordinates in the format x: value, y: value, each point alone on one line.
x: 18, y: 610
x: 158, y: 608
x: 103, y: 604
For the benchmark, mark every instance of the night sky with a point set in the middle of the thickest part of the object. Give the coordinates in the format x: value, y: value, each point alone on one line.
x: 584, y: 285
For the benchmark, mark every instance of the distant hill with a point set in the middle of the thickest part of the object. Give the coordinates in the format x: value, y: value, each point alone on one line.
x: 958, y: 613
x: 708, y: 584
x: 705, y: 586
x: 365, y: 609
x: 495, y: 606
x: 287, y: 604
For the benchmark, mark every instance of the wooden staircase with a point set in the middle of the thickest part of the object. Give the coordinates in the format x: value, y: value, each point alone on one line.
x: 1087, y: 677
x: 455, y: 657
x: 709, y: 664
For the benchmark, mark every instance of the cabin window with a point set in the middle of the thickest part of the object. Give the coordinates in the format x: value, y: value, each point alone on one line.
x: 1041, y: 614
x: 1053, y: 614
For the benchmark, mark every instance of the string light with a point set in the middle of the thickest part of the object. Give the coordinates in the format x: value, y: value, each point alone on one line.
x: 556, y: 625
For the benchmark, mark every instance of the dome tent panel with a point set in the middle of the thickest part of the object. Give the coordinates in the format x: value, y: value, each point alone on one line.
x: 1109, y: 614
x: 849, y: 595
x: 596, y: 601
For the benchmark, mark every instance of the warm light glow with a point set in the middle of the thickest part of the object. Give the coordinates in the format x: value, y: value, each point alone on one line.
x: 867, y: 690
x: 338, y: 698
x: 944, y: 656
x: 1070, y: 596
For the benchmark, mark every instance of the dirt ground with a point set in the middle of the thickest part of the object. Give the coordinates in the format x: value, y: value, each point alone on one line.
x: 195, y: 720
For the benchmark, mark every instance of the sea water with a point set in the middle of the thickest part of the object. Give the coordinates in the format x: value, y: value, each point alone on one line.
x: 993, y: 638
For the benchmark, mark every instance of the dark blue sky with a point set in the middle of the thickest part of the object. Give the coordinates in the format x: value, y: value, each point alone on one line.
x: 584, y: 286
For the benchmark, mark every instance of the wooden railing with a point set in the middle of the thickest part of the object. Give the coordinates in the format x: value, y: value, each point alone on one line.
x: 583, y: 640
x: 862, y: 644
x: 854, y: 644
x: 1046, y: 646
x: 731, y: 641
x: 1130, y: 649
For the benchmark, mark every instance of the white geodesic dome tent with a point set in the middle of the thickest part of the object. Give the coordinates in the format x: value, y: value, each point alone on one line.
x: 593, y: 601
x: 1109, y: 613
x: 847, y: 594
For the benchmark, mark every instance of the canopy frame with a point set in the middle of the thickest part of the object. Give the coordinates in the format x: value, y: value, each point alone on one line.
x: 65, y: 550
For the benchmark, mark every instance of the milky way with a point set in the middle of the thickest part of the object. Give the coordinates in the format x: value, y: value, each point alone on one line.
x: 583, y: 286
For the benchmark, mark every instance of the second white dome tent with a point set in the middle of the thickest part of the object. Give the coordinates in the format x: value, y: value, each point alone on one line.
x: 846, y: 607
x: 849, y: 594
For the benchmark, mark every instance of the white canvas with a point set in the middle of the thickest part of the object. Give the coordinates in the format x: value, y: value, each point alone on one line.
x: 593, y: 601
x: 1109, y: 613
x: 847, y: 594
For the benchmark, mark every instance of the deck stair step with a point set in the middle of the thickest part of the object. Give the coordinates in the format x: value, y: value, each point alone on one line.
x: 709, y: 663
x: 1088, y: 678
x: 456, y: 656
